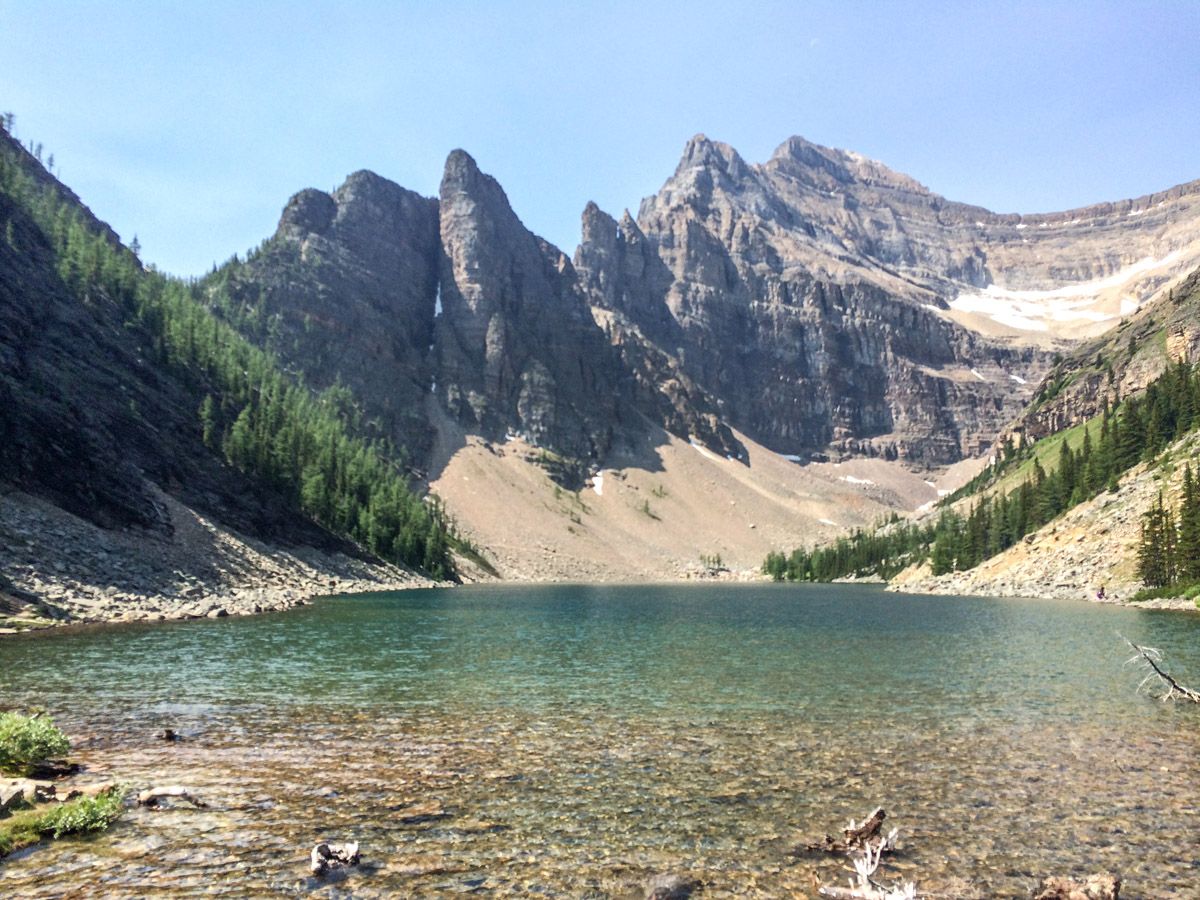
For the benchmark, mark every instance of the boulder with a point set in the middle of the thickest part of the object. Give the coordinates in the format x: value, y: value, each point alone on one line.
x: 326, y: 857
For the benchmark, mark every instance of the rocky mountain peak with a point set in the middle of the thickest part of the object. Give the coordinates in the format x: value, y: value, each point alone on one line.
x: 812, y: 162
x: 308, y: 212
x: 714, y: 155
x: 517, y: 348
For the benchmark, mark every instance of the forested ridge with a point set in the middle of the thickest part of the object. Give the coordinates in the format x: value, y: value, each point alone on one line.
x: 1137, y: 429
x: 250, y: 412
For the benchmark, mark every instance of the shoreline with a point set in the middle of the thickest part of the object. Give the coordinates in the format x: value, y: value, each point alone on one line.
x: 57, y: 570
x: 248, y: 600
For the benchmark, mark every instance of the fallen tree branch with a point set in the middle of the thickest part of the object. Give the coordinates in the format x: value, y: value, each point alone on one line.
x: 866, y: 845
x: 1151, y: 660
x: 863, y: 886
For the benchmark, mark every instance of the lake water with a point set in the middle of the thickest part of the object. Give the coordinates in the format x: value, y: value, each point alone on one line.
x: 573, y: 741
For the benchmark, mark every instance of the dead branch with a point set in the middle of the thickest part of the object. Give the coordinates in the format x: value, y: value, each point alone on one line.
x: 863, y: 886
x: 1150, y: 659
x: 866, y: 846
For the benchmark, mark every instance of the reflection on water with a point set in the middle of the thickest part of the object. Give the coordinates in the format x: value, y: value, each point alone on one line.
x: 572, y: 741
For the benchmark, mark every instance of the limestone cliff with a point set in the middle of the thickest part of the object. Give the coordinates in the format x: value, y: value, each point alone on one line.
x: 517, y: 349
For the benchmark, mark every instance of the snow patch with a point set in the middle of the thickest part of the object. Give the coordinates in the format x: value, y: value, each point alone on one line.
x: 792, y: 457
x: 943, y: 492
x: 1034, y: 310
x: 1017, y: 378
x: 850, y: 479
x: 707, y: 454
x: 975, y: 372
x: 598, y: 484
x: 827, y: 522
x: 931, y: 484
x: 437, y: 301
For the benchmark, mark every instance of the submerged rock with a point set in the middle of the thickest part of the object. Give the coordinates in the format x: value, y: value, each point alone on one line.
x: 1102, y: 886
x: 670, y: 887
x: 327, y: 857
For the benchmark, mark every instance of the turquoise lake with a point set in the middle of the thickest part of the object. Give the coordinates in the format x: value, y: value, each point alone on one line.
x: 573, y: 741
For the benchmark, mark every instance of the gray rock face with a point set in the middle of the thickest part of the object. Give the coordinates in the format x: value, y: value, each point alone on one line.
x: 805, y: 301
x: 809, y: 297
x: 517, y: 348
x: 345, y: 293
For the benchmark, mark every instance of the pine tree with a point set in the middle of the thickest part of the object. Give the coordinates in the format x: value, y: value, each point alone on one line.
x: 1188, y: 547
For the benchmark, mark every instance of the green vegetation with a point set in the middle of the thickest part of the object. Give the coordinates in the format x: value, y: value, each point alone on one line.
x: 1104, y: 449
x: 712, y: 561
x: 1139, y: 430
x: 881, y: 551
x: 26, y: 741
x: 259, y: 419
x: 79, y: 816
x: 1169, y: 548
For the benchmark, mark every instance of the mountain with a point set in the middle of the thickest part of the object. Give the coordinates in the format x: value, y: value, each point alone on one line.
x: 825, y: 300
x: 144, y: 450
x: 817, y: 307
x: 1118, y: 363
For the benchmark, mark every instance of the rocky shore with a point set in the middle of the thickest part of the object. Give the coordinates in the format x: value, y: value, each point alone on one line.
x: 56, y: 569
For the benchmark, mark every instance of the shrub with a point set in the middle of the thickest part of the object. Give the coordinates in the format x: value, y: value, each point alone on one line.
x: 26, y: 741
x: 80, y: 816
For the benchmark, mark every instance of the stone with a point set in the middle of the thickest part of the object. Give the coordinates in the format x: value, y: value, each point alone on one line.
x: 670, y: 887
x: 1102, y: 886
x: 327, y: 857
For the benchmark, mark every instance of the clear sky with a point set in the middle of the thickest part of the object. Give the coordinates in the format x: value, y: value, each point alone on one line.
x: 190, y: 124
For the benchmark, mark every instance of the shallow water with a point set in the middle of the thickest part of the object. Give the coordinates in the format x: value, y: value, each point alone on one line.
x: 574, y: 741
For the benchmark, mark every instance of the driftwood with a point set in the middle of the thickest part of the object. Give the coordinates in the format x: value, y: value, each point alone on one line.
x: 326, y: 857
x: 1151, y: 660
x: 856, y: 836
x: 866, y: 845
x: 863, y: 886
x: 154, y: 797
x: 1102, y: 886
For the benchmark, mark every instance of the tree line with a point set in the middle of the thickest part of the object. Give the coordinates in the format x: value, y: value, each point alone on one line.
x: 1169, y: 546
x: 260, y: 420
x: 1138, y: 429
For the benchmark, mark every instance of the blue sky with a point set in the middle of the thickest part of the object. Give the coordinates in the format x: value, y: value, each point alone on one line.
x: 190, y: 124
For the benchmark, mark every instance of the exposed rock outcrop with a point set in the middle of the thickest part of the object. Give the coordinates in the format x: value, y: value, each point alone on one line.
x: 345, y: 293
x: 517, y: 348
